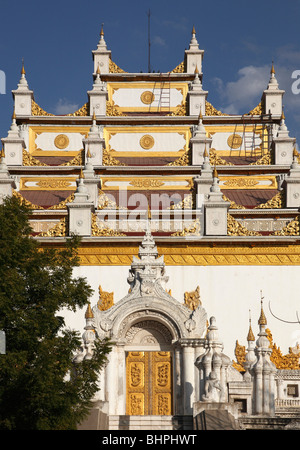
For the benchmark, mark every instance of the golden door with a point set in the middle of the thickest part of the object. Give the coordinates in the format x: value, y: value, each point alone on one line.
x: 148, y: 383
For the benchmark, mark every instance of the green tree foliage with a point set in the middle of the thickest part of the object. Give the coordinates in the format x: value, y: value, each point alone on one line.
x: 39, y: 389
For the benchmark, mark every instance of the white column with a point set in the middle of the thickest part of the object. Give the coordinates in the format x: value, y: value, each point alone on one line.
x: 120, y: 370
x: 178, y: 388
x: 111, y: 391
x: 188, y: 378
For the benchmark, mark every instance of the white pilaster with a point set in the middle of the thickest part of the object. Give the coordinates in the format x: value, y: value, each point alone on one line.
x: 193, y: 56
x: 292, y: 183
x: 196, y: 96
x: 200, y: 142
x: 273, y: 96
x: 94, y: 144
x: 283, y: 145
x: 22, y: 97
x: 101, y: 55
x: 216, y: 210
x: 98, y: 96
x: 80, y: 211
x: 13, y: 145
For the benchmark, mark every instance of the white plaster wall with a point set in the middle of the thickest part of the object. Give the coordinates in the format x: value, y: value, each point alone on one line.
x: 227, y: 292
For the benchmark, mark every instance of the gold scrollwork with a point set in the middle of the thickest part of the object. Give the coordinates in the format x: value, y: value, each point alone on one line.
x: 192, y: 299
x: 106, y: 300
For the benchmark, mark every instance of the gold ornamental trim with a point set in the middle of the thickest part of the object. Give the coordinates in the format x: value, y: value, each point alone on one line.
x: 197, y: 255
x: 290, y: 361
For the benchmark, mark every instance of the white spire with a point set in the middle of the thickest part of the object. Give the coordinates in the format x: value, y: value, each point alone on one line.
x: 193, y: 43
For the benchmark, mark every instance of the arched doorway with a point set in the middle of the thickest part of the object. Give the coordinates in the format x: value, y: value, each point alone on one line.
x: 149, y: 369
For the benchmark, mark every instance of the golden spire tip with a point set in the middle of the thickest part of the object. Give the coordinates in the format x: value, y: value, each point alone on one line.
x: 272, y: 68
x: 89, y: 313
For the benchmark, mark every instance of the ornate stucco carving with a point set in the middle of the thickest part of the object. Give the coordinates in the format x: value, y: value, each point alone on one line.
x: 148, y: 301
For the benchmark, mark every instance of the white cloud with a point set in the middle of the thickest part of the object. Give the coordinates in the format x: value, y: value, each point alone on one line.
x: 241, y: 95
x: 159, y: 41
x: 64, y: 106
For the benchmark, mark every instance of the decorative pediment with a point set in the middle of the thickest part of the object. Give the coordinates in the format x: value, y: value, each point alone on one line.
x: 148, y: 300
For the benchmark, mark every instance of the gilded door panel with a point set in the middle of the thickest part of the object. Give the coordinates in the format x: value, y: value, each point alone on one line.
x: 149, y: 383
x: 137, y: 383
x: 161, y: 383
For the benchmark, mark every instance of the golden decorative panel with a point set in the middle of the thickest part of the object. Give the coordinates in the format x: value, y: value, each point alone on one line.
x: 234, y: 141
x: 248, y: 182
x: 61, y: 141
x: 149, y: 383
x: 147, y: 142
x: 147, y: 97
x: 48, y: 183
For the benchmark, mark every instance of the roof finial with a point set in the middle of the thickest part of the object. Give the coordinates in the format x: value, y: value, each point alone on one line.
x: 215, y: 174
x: 89, y: 313
x: 262, y: 319
x: 102, y: 32
x: 272, y: 69
x: 23, y: 69
x: 250, y: 336
x: 193, y: 30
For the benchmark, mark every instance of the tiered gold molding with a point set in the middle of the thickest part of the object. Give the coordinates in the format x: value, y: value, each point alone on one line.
x: 235, y: 228
x: 184, y: 160
x: 193, y: 254
x: 210, y: 110
x: 114, y: 68
x: 109, y: 160
x: 25, y: 202
x: 192, y: 230
x: 29, y: 160
x: 179, y: 68
x: 289, y: 361
x: 275, y: 202
x: 258, y: 110
x: 216, y: 160
x: 63, y: 204
x: 233, y: 205
x: 36, y: 110
x: 59, y: 230
x: 106, y: 300
x: 98, y: 231
x: 291, y: 229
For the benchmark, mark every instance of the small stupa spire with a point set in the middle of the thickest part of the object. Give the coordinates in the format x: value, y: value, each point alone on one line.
x: 262, y: 319
x: 250, y: 336
x: 215, y: 173
x: 23, y: 68
x: 272, y: 69
x: 89, y: 313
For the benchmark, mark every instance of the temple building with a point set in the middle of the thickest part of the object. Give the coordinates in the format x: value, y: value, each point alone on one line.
x: 189, y: 219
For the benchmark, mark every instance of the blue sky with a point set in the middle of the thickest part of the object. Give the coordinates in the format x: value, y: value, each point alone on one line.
x: 240, y: 39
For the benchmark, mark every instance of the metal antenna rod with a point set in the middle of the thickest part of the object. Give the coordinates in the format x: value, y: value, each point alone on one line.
x: 149, y: 42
